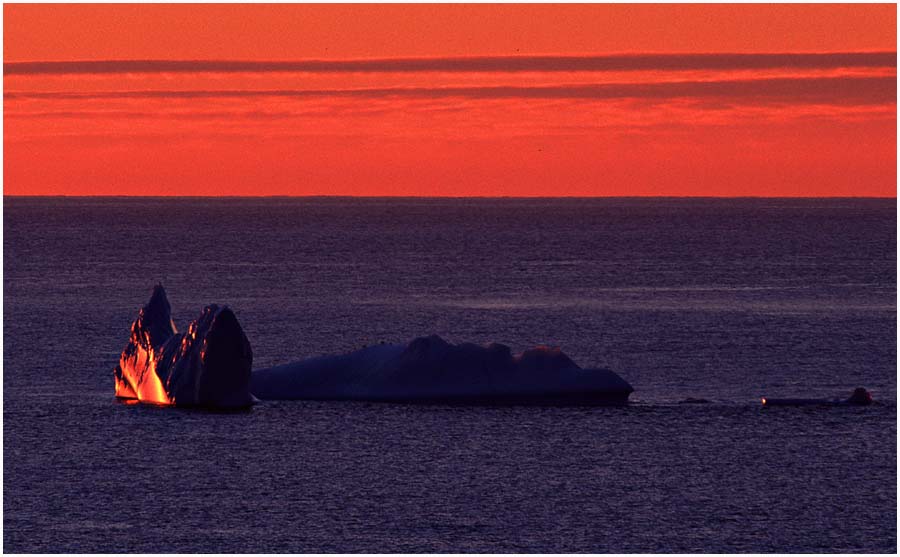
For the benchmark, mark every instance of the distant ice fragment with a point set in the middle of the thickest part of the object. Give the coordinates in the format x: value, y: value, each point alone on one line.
x: 860, y: 397
x: 692, y: 400
x: 429, y: 369
x: 209, y: 365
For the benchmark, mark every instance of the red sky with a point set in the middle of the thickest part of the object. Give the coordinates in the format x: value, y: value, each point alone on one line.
x: 523, y: 100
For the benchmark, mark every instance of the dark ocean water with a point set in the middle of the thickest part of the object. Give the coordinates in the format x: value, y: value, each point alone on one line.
x: 728, y: 300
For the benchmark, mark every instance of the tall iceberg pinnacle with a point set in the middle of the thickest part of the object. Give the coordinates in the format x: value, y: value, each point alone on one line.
x: 208, y: 365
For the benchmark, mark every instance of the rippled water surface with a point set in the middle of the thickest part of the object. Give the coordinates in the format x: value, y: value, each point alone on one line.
x: 727, y: 300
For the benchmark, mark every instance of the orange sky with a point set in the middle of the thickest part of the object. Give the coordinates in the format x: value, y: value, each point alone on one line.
x: 450, y: 100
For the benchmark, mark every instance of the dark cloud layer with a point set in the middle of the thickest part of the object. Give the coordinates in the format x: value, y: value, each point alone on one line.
x: 627, y: 62
x: 831, y: 90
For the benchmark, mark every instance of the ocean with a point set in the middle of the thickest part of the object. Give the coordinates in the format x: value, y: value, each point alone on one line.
x: 728, y: 300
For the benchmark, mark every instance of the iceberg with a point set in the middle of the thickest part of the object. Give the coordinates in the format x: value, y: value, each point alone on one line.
x: 431, y: 370
x: 208, y: 365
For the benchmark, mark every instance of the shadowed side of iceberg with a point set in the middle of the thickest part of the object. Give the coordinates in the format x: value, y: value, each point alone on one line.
x: 208, y: 365
x: 429, y: 369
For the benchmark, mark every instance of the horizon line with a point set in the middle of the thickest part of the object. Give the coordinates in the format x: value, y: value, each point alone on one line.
x: 480, y: 63
x: 528, y: 197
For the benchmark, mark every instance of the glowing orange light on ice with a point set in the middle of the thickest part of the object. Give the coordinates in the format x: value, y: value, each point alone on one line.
x: 140, y: 378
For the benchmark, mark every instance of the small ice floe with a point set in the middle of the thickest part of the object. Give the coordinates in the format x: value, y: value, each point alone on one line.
x: 692, y: 400
x: 860, y: 397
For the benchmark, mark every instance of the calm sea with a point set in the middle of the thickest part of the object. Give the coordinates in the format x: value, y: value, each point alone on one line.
x: 727, y: 300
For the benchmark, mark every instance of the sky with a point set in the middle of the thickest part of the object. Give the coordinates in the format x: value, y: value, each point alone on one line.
x: 450, y: 100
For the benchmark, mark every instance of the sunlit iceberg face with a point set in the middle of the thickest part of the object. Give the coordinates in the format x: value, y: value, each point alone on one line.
x: 136, y: 375
x: 208, y: 365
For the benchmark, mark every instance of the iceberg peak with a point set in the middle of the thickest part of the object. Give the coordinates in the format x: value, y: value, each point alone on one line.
x: 545, y: 359
x: 207, y: 365
x: 154, y: 324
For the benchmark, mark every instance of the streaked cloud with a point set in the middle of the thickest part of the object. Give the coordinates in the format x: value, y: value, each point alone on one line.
x: 570, y: 123
x: 839, y: 90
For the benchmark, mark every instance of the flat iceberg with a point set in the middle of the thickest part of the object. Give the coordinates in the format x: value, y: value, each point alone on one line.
x: 429, y: 369
x: 208, y: 365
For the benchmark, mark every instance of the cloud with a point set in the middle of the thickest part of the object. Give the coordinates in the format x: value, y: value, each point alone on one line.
x: 618, y: 62
x: 829, y: 90
x: 137, y: 114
